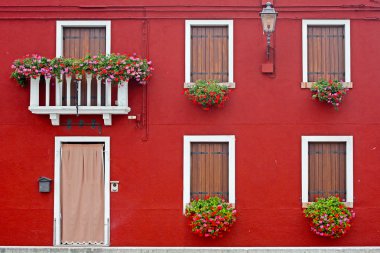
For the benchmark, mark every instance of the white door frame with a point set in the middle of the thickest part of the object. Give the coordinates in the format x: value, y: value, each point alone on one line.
x: 57, y: 194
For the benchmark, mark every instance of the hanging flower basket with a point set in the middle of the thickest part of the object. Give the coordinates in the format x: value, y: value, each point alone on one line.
x: 329, y: 217
x: 330, y: 92
x: 210, y: 217
x: 208, y: 94
x: 114, y: 67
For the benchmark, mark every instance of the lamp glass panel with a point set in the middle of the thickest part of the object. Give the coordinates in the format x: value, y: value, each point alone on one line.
x: 268, y: 21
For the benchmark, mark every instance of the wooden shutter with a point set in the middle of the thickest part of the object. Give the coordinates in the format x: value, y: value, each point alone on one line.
x: 326, y: 53
x: 78, y: 42
x: 209, y: 53
x: 327, y: 169
x: 209, y: 170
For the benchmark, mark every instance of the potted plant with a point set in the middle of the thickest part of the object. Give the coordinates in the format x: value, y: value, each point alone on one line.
x: 91, y: 64
x: 210, y: 217
x: 208, y: 94
x: 329, y: 217
x: 330, y: 92
x: 64, y: 66
x: 30, y: 67
x: 121, y: 68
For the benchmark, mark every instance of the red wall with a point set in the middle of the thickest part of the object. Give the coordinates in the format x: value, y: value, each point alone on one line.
x: 267, y: 114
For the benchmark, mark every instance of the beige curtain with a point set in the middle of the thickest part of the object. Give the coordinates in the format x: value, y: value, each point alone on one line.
x: 82, y: 194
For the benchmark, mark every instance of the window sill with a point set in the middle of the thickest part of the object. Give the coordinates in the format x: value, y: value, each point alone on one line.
x: 347, y: 204
x: 229, y: 85
x: 307, y: 85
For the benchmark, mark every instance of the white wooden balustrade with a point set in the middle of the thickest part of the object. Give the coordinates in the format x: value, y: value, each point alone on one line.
x: 64, y: 105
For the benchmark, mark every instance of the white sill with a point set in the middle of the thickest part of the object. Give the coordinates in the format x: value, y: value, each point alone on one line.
x: 228, y: 84
x: 347, y: 204
x: 307, y: 85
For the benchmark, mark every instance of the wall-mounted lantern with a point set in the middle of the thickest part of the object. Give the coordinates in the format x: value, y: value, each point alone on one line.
x: 268, y: 19
x: 44, y: 184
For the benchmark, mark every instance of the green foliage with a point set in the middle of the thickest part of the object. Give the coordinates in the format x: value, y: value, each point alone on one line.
x: 210, y: 217
x: 115, y: 67
x: 30, y: 67
x: 329, y: 217
x: 330, y: 92
x: 207, y: 94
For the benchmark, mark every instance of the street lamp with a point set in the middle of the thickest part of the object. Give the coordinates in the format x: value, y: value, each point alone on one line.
x: 268, y: 19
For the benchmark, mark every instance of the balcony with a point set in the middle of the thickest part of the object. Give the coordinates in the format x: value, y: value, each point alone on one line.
x: 70, y: 96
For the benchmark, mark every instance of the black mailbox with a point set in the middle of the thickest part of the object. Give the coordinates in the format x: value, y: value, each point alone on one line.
x: 44, y: 184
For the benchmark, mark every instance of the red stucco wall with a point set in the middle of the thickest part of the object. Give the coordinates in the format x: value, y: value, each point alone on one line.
x: 267, y: 114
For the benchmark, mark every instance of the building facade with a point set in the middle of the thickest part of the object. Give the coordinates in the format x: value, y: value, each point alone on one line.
x: 262, y: 151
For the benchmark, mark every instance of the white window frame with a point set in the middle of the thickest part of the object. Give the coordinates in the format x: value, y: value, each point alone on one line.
x: 347, y: 38
x: 187, y: 140
x: 82, y: 23
x: 349, y: 165
x: 230, y: 25
x: 57, y: 184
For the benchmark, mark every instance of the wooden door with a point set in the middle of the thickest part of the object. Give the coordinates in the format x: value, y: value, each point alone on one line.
x: 79, y: 42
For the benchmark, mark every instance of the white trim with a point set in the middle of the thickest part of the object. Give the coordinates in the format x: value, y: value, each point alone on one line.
x: 349, y: 164
x: 327, y: 22
x: 57, y: 169
x: 187, y: 140
x: 81, y: 23
x: 189, y: 24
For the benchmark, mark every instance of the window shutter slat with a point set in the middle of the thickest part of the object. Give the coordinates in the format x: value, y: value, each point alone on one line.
x: 225, y: 53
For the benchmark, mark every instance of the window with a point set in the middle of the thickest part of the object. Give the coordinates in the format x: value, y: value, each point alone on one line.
x: 327, y: 168
x: 209, y: 167
x: 78, y: 38
x: 209, y: 51
x: 326, y: 50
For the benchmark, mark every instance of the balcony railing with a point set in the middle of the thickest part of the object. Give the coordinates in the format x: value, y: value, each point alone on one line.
x: 89, y: 95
